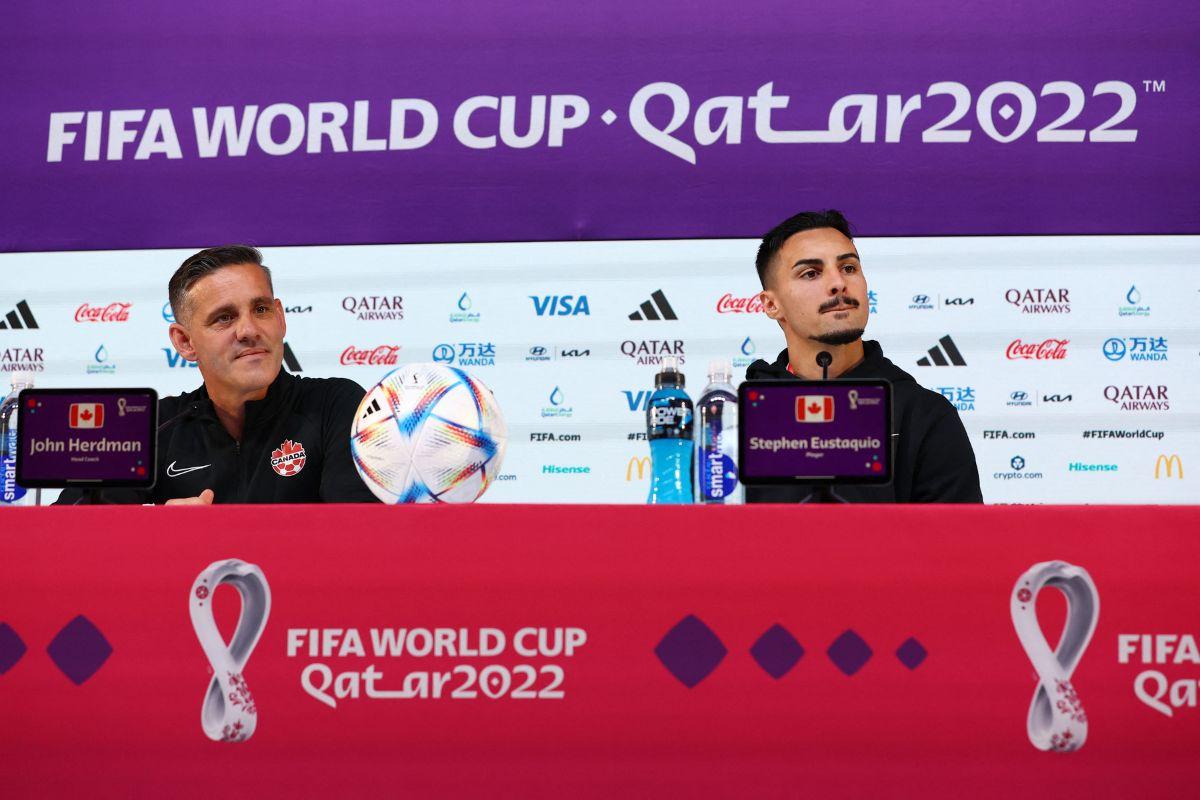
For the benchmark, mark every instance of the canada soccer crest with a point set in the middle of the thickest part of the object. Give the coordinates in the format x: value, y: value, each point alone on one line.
x: 288, y: 459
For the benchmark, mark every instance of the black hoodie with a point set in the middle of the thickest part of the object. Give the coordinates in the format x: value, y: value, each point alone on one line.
x: 932, y: 457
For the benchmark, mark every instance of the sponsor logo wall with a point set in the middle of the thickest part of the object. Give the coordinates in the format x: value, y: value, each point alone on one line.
x: 1073, y: 374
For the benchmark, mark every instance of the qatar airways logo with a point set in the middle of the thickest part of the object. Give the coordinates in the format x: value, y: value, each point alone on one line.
x: 384, y: 355
x: 1039, y: 301
x: 113, y: 312
x: 1049, y: 350
x: 728, y: 304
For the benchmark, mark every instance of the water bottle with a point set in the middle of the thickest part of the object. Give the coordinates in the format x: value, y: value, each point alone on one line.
x: 717, y: 438
x: 10, y: 493
x: 669, y: 429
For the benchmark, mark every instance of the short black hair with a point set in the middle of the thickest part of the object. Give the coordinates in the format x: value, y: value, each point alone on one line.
x: 804, y: 221
x: 206, y: 262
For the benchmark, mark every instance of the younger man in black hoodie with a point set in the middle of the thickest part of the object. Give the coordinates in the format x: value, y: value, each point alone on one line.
x: 813, y: 286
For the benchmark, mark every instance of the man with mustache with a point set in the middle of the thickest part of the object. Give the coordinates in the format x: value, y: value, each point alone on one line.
x: 251, y: 433
x: 813, y: 286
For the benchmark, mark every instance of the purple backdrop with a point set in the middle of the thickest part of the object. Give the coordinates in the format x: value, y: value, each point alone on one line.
x: 605, y: 180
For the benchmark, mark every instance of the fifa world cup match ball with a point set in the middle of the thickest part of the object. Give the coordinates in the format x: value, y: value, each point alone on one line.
x: 428, y: 433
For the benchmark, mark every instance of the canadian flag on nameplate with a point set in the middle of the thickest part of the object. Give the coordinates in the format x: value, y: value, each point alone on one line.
x: 814, y: 408
x: 87, y: 415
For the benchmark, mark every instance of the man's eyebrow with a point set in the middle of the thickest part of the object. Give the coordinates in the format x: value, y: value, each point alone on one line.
x: 228, y: 308
x: 816, y: 262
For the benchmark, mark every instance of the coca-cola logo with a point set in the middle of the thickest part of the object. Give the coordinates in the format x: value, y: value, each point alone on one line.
x: 113, y: 312
x: 1049, y: 350
x: 385, y: 355
x: 728, y: 304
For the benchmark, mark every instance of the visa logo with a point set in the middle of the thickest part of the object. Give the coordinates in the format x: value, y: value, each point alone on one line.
x: 176, y: 360
x: 638, y: 401
x: 560, y: 305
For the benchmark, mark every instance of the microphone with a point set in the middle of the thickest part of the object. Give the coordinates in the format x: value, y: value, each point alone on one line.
x: 191, y: 409
x: 824, y: 359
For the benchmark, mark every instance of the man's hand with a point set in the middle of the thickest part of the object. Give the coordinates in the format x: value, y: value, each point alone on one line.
x: 205, y: 499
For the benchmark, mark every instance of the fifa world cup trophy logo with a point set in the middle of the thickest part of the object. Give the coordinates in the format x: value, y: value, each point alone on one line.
x: 1056, y: 721
x: 228, y: 713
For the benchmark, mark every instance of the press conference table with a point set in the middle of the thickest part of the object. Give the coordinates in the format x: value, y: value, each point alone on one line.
x: 590, y: 651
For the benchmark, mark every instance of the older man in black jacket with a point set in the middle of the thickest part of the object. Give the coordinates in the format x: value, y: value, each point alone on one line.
x: 251, y: 433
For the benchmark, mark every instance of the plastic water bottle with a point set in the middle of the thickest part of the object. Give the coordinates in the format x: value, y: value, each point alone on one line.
x: 669, y: 419
x: 717, y: 438
x: 10, y: 493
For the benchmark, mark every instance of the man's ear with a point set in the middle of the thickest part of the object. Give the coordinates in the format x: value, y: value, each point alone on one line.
x: 770, y: 304
x: 282, y: 316
x: 182, y: 341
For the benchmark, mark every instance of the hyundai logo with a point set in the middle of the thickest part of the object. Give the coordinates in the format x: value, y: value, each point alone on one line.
x: 1019, y: 396
x: 537, y: 350
x: 920, y: 299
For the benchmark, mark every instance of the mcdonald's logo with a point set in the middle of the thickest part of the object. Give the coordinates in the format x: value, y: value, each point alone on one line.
x: 640, y: 464
x: 1168, y: 464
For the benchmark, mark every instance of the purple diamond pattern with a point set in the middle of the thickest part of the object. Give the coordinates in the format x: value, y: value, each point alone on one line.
x: 79, y: 649
x: 690, y: 651
x: 11, y: 648
x: 849, y: 652
x: 911, y: 653
x: 777, y: 651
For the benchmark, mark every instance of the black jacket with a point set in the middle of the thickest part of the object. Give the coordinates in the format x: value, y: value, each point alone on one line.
x: 932, y: 457
x: 295, y: 448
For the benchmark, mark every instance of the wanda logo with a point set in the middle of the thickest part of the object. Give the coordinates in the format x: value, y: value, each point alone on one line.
x: 728, y: 304
x: 384, y: 355
x: 113, y: 312
x: 1049, y: 350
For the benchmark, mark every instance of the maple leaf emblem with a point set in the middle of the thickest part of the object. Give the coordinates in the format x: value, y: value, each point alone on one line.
x: 288, y: 458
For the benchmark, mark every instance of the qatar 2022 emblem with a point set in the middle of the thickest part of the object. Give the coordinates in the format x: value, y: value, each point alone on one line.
x: 1057, y: 721
x: 228, y: 713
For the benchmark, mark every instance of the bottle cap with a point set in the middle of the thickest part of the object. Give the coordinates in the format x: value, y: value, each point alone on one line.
x: 669, y: 374
x: 720, y: 371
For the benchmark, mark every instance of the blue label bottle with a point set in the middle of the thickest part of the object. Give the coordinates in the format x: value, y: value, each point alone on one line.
x: 717, y: 439
x: 669, y: 418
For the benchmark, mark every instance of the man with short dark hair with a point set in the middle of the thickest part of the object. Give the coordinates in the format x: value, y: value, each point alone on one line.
x: 251, y: 433
x: 813, y: 286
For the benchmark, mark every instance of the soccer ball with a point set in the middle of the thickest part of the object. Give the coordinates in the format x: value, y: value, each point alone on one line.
x: 428, y: 433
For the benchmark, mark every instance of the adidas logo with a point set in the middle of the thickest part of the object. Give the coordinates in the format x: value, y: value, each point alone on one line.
x: 937, y: 355
x: 289, y: 359
x: 656, y: 307
x: 13, y: 322
x: 374, y: 408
